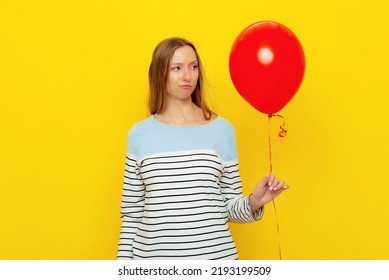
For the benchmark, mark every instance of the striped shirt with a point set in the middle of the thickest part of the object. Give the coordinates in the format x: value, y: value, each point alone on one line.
x: 181, y: 188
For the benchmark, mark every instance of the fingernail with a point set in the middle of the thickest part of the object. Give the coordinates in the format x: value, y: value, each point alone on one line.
x: 270, y: 183
x: 267, y: 175
x: 285, y: 187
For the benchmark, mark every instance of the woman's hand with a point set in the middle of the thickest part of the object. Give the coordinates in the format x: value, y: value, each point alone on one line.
x: 266, y: 190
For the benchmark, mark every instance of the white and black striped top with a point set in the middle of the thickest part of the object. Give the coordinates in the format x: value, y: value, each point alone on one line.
x: 181, y: 188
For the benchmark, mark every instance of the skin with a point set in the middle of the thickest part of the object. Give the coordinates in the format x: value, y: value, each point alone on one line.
x: 180, y: 110
x: 182, y: 80
x: 265, y: 191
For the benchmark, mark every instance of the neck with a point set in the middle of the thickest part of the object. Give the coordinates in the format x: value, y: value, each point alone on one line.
x: 181, y: 112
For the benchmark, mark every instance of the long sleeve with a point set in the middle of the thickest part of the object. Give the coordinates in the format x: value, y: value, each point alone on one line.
x: 133, y: 199
x: 238, y: 206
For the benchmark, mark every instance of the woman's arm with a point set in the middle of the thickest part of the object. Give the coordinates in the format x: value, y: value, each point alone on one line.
x: 133, y: 200
x: 238, y: 207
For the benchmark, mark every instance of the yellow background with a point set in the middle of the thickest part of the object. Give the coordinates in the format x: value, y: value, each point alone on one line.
x: 73, y: 80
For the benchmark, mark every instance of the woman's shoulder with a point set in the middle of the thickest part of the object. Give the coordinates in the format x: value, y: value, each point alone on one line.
x: 140, y: 127
x: 224, y: 123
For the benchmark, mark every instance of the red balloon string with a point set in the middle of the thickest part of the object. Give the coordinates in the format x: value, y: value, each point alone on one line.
x: 282, y: 133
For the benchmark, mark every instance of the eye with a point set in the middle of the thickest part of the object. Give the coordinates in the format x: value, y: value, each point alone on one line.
x: 176, y: 68
x: 194, y: 67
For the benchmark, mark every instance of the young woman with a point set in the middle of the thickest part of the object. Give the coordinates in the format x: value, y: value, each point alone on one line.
x: 182, y: 183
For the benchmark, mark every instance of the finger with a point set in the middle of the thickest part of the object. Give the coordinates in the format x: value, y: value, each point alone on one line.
x: 280, y: 185
x: 274, y: 184
x: 279, y: 191
x: 271, y: 179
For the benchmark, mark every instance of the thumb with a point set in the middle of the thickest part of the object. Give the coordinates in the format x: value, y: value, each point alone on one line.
x: 264, y: 181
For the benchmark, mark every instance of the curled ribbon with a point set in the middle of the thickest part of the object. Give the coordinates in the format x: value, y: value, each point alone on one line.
x: 281, y: 134
x: 283, y: 131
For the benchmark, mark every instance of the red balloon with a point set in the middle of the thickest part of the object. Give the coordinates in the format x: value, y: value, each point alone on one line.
x: 267, y: 66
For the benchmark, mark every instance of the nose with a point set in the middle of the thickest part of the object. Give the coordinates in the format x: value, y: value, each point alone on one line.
x: 186, y: 74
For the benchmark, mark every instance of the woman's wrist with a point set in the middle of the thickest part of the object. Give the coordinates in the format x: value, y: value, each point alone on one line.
x: 254, y: 204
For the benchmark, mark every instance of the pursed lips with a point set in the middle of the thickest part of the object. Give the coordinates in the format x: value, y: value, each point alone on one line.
x: 185, y: 86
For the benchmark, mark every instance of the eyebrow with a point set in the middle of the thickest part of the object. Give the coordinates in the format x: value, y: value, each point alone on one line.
x: 180, y: 63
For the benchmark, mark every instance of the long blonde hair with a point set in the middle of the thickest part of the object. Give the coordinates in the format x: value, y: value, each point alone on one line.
x: 159, y: 72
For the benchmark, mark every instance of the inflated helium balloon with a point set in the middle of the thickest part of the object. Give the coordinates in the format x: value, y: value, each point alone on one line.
x: 267, y: 65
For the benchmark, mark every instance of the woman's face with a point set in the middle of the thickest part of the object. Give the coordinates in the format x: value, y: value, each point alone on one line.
x: 183, y: 73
